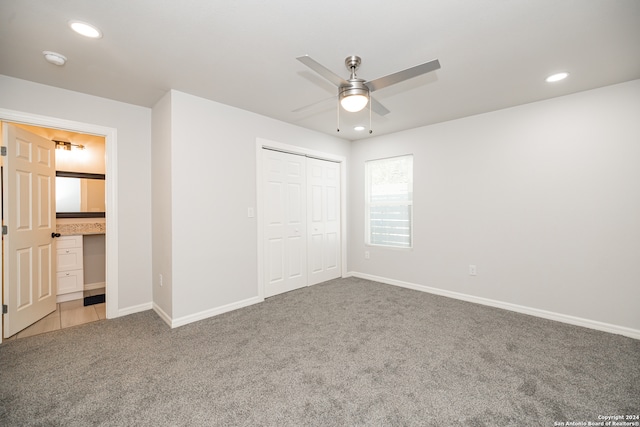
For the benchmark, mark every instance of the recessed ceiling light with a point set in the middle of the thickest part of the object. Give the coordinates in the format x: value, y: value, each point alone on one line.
x: 54, y: 58
x: 556, y: 77
x: 85, y: 29
x: 358, y: 128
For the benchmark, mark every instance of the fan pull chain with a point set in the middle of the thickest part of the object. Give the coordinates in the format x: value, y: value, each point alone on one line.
x: 370, y: 130
x: 338, y: 116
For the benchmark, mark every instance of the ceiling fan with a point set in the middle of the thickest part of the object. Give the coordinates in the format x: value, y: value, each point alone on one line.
x: 354, y: 93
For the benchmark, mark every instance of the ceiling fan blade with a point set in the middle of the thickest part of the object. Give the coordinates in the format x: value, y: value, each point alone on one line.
x: 378, y: 108
x: 310, y: 106
x: 322, y: 70
x: 400, y: 76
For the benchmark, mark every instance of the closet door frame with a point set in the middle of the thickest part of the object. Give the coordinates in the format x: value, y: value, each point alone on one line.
x: 274, y: 145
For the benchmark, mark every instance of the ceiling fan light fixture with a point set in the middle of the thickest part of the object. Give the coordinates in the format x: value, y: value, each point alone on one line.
x: 354, y: 93
x: 355, y: 97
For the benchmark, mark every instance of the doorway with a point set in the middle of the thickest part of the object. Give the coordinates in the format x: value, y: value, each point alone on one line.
x: 301, y: 217
x: 79, y: 215
x: 111, y: 241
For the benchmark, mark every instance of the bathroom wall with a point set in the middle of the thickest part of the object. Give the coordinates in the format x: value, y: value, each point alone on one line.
x: 88, y: 160
x: 94, y: 260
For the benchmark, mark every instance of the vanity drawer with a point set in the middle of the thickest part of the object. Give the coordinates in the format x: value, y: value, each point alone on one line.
x: 65, y: 242
x: 69, y: 259
x: 70, y: 281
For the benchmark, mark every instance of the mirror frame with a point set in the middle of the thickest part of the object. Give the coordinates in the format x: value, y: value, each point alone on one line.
x: 80, y: 214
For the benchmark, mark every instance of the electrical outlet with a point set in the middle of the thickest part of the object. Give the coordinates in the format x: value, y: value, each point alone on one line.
x: 160, y: 279
x: 366, y: 254
x: 473, y: 271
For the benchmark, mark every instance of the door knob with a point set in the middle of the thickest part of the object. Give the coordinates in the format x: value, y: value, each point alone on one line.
x: 55, y: 234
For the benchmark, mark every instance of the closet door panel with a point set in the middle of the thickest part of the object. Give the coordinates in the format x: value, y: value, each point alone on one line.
x: 323, y: 181
x: 285, y: 243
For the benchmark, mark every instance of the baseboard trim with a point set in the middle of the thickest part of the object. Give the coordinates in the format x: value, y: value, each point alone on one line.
x: 135, y: 309
x: 96, y: 285
x: 69, y: 297
x: 181, y: 321
x: 162, y: 314
x: 559, y: 317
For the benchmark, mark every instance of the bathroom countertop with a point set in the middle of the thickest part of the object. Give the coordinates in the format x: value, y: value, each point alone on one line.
x: 81, y: 228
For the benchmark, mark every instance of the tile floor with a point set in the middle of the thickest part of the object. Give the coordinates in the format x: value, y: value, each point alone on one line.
x: 70, y: 313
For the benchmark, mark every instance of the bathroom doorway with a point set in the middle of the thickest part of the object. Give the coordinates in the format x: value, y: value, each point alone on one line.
x: 109, y: 241
x: 78, y: 255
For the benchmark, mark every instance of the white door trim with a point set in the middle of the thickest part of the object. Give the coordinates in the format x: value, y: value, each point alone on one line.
x: 265, y: 143
x: 111, y: 238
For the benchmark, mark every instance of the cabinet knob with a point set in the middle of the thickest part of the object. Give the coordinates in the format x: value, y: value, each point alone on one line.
x: 55, y: 234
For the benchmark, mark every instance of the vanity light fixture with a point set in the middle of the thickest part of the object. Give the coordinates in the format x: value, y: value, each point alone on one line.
x: 359, y: 128
x: 85, y: 29
x: 66, y: 145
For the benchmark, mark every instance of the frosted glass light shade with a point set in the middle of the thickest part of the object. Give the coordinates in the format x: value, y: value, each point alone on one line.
x: 354, y: 103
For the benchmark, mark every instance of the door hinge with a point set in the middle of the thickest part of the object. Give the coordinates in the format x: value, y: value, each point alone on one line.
x: 3, y: 150
x: 5, y: 230
x: 5, y: 309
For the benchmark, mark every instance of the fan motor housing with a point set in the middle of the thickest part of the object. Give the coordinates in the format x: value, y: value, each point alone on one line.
x: 355, y: 87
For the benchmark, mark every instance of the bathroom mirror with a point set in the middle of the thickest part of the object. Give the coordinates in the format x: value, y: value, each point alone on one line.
x: 80, y: 195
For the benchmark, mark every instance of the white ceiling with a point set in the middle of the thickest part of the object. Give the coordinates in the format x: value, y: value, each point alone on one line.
x: 494, y: 53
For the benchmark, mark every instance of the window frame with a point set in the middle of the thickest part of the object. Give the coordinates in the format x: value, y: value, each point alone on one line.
x: 368, y: 204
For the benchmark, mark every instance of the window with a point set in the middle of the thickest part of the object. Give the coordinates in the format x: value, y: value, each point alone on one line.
x: 389, y: 201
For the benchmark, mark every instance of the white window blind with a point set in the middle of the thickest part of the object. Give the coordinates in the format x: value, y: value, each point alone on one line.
x: 389, y: 201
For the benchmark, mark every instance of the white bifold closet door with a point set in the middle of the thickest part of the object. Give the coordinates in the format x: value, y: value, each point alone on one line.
x: 301, y: 221
x: 323, y: 220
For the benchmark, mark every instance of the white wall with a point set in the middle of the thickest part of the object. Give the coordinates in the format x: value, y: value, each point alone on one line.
x: 133, y: 126
x: 544, y: 198
x: 213, y: 182
x: 161, y: 207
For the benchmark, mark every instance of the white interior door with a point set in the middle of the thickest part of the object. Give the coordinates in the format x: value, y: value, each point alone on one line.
x: 285, y: 263
x: 323, y: 202
x: 29, y: 215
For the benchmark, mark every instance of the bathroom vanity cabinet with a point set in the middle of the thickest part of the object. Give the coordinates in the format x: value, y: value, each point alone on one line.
x: 70, y: 270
